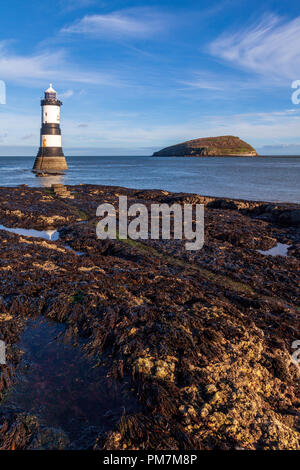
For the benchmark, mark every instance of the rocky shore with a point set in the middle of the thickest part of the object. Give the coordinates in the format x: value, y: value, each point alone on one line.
x: 192, y: 348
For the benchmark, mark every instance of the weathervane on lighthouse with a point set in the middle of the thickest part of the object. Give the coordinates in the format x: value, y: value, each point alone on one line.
x: 50, y: 157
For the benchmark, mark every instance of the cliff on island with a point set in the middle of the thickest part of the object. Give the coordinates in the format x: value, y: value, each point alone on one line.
x: 226, y: 145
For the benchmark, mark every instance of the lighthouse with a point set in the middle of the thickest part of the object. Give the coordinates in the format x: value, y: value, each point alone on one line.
x: 50, y: 157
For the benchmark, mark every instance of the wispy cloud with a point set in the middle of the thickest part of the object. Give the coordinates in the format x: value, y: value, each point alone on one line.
x: 134, y: 22
x: 47, y: 66
x: 204, y: 81
x: 256, y: 128
x: 271, y: 116
x: 280, y: 149
x: 66, y: 94
x: 270, y: 47
x: 228, y: 85
x: 28, y: 137
x: 3, y: 136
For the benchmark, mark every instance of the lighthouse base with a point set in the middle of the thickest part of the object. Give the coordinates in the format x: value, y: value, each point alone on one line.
x: 50, y: 165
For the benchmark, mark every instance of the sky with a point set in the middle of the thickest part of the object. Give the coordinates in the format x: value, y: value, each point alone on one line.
x: 137, y: 76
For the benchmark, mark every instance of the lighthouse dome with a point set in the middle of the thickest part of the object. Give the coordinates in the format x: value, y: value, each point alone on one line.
x: 50, y: 93
x: 50, y: 89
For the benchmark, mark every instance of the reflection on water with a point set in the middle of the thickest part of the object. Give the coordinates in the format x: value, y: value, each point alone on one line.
x: 47, y: 180
x: 50, y: 234
x: 78, y: 253
x: 64, y: 388
x: 279, y: 250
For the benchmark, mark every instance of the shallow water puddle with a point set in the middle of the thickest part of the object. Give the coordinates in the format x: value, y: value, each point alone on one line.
x: 50, y: 234
x: 78, y: 253
x: 280, y: 249
x: 64, y: 388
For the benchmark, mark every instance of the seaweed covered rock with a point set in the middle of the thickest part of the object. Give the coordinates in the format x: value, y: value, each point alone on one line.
x: 199, y: 343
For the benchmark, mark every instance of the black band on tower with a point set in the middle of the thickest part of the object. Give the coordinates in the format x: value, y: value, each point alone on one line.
x: 50, y: 129
x: 50, y: 152
x: 51, y: 102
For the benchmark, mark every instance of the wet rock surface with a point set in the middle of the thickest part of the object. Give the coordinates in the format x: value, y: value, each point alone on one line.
x: 198, y: 343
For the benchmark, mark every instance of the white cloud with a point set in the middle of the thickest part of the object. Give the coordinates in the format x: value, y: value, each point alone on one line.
x: 47, y: 66
x: 258, y: 129
x: 3, y: 136
x: 229, y: 86
x: 270, y: 47
x: 204, y: 81
x: 66, y: 94
x: 28, y: 137
x: 280, y: 149
x: 135, y: 22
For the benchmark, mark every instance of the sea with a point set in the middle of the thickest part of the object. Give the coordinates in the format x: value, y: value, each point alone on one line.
x: 274, y: 179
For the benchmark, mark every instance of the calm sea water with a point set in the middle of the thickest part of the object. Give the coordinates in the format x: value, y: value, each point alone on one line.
x: 263, y: 178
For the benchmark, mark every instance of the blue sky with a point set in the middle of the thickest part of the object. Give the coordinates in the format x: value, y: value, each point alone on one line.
x: 136, y: 76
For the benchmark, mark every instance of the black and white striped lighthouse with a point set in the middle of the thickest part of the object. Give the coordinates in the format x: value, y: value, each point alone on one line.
x: 50, y: 157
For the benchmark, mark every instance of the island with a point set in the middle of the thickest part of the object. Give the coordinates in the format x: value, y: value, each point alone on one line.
x: 225, y: 146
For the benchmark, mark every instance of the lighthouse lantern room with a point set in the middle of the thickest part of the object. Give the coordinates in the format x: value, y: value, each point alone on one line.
x: 50, y: 157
